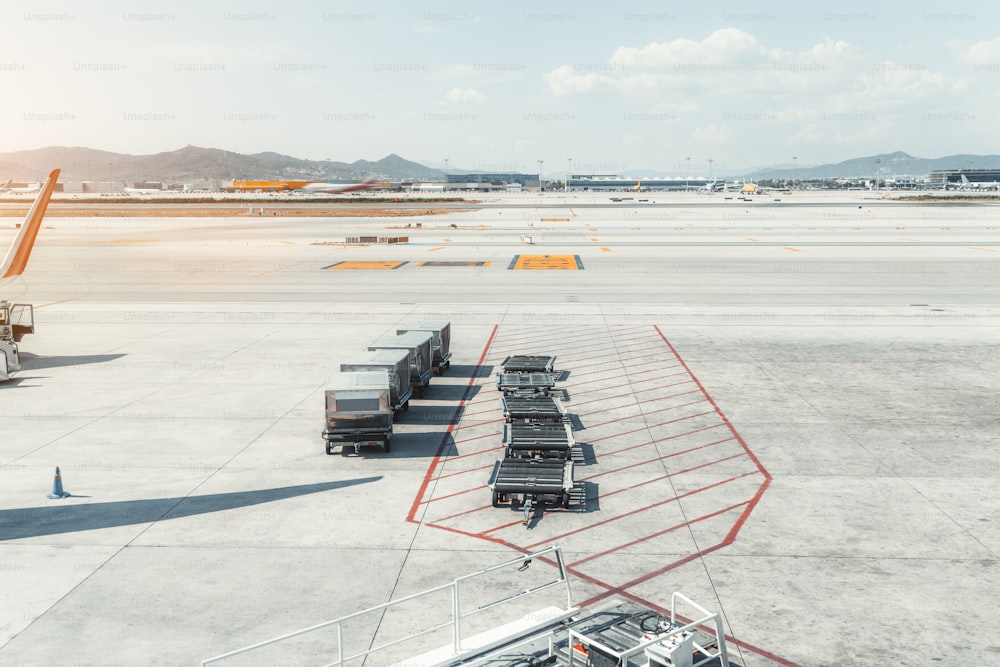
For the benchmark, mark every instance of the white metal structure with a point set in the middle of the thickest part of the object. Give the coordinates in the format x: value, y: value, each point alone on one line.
x: 461, y: 646
x: 552, y: 634
x: 17, y: 319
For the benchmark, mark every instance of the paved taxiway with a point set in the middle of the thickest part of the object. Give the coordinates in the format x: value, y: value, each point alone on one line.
x: 847, y: 351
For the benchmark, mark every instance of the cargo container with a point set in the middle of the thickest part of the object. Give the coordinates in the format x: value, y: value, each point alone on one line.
x: 396, y: 363
x: 358, y: 412
x: 547, y: 440
x: 528, y: 363
x: 525, y: 384
x: 440, y: 342
x: 419, y: 345
x: 532, y: 408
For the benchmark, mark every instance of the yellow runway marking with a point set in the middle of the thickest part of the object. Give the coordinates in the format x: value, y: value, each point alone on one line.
x: 983, y: 249
x: 440, y: 247
x: 593, y: 239
x: 447, y: 240
x: 546, y: 262
x: 364, y: 266
x: 754, y: 240
x: 605, y: 249
x: 793, y: 249
x: 447, y: 262
x: 555, y: 219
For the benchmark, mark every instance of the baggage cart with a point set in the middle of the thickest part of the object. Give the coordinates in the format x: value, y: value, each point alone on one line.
x: 440, y: 342
x: 418, y: 343
x: 358, y: 411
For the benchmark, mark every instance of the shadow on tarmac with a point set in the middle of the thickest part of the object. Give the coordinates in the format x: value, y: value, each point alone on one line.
x: 468, y: 371
x: 450, y: 392
x: 404, y: 446
x: 64, y: 518
x: 31, y: 362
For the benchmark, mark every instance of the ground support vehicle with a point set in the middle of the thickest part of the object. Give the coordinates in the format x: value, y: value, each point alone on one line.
x: 358, y: 411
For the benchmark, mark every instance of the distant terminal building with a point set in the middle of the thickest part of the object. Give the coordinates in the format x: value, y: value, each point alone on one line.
x: 955, y: 178
x: 487, y: 181
x: 614, y: 182
x: 513, y: 181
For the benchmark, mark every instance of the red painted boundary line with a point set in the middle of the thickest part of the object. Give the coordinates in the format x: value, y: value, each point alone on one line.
x: 750, y: 647
x: 411, y: 517
x: 767, y: 476
x: 621, y: 590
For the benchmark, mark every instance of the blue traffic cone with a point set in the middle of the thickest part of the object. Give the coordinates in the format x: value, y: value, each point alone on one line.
x: 57, y: 490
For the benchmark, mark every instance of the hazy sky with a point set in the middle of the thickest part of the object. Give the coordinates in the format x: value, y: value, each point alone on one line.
x: 499, y: 86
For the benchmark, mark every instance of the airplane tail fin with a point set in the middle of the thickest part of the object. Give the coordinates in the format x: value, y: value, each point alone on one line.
x: 17, y: 256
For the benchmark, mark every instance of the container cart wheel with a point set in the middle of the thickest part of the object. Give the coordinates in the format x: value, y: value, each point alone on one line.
x: 385, y: 445
x: 329, y: 447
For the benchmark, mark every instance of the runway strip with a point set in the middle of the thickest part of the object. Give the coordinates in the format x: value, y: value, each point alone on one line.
x: 662, y: 469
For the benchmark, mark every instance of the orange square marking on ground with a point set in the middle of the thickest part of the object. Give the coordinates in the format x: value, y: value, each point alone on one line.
x: 364, y: 266
x: 450, y: 262
x: 547, y: 262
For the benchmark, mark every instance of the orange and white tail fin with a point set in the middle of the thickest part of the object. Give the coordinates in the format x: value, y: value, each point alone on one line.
x: 17, y: 256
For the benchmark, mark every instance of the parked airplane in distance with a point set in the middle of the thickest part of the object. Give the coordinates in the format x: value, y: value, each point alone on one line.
x: 300, y: 186
x: 977, y: 185
x: 140, y: 191
x: 19, y: 189
x: 17, y: 319
x: 338, y: 188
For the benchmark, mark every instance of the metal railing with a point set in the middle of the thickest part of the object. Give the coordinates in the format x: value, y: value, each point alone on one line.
x: 455, y: 621
x: 665, y: 637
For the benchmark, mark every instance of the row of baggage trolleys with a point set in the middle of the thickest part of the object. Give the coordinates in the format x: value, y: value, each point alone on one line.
x: 537, y: 467
x: 373, y: 388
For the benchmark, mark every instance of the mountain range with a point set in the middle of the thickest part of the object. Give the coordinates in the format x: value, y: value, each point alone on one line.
x: 193, y: 163
x: 887, y: 164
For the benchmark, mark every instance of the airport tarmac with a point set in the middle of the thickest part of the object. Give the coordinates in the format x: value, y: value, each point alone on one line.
x: 787, y: 412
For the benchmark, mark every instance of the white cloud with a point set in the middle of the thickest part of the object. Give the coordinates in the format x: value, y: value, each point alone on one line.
x: 629, y: 139
x: 726, y: 61
x: 687, y: 106
x: 712, y: 134
x: 465, y: 96
x: 795, y: 114
x: 565, y: 81
x: 726, y: 45
x: 985, y: 51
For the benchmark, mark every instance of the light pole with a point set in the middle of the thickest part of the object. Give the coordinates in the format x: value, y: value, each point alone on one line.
x: 540, y: 175
x: 569, y: 173
x: 794, y: 169
x: 710, y: 179
x: 446, y: 173
x: 687, y: 174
